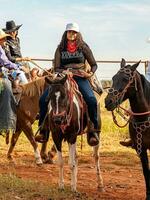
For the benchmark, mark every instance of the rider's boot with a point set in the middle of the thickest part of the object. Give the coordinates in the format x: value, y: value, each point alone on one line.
x: 92, y: 135
x: 42, y: 135
x: 127, y: 143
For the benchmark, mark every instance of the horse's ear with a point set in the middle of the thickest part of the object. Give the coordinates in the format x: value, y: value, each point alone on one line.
x: 63, y: 80
x: 123, y: 63
x: 48, y: 80
x: 133, y: 67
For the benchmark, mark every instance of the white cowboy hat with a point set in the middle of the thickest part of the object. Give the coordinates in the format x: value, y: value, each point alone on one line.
x: 3, y: 34
x: 72, y: 27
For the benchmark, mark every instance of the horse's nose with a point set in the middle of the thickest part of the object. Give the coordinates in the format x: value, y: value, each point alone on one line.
x: 108, y: 102
x: 57, y: 120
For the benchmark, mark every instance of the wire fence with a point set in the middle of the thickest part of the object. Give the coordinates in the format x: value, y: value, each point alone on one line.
x: 106, y: 68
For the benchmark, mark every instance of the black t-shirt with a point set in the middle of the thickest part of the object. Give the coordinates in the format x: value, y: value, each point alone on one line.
x: 63, y: 58
x: 75, y: 57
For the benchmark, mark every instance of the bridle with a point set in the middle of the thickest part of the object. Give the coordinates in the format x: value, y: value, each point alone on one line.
x: 67, y: 115
x: 117, y: 96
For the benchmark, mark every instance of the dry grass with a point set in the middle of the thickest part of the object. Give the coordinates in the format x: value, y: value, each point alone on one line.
x: 13, y: 187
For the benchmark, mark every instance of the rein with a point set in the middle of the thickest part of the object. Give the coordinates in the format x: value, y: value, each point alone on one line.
x: 31, y: 61
x: 64, y: 113
x: 129, y: 112
x: 118, y: 96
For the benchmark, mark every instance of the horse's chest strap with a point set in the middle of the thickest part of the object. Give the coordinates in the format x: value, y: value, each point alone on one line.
x: 139, y: 128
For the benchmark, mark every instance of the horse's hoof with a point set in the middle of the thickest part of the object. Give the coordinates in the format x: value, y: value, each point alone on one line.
x: 61, y: 189
x: 74, y: 190
x: 48, y: 161
x: 100, y: 189
x: 9, y: 157
x: 39, y: 162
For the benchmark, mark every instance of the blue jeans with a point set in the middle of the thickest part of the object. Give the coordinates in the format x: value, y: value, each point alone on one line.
x: 88, y: 95
x: 89, y: 98
x: 43, y: 104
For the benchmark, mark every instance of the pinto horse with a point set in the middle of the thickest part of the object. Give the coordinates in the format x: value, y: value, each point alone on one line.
x: 67, y: 119
x: 27, y: 111
x: 129, y: 84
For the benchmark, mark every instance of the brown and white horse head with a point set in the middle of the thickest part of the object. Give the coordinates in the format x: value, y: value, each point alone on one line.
x: 122, y: 83
x: 96, y: 84
x: 58, y: 99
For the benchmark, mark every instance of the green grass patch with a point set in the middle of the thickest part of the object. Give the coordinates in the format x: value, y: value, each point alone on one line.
x: 12, y: 187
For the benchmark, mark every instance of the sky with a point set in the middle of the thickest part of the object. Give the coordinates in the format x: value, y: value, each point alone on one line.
x: 113, y: 29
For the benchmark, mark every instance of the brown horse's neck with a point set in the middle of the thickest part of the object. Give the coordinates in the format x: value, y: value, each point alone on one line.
x: 29, y: 103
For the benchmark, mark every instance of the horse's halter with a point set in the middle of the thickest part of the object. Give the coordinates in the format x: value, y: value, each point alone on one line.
x: 117, y: 96
x: 59, y: 115
x: 64, y: 114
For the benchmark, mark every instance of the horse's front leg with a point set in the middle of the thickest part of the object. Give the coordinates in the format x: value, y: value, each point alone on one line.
x: 146, y: 171
x: 48, y: 157
x: 98, y: 171
x: 73, y: 166
x: 61, y: 170
x: 13, y: 142
x: 27, y: 129
x: 57, y: 138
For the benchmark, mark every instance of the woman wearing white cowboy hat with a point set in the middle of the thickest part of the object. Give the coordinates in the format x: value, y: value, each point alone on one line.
x: 73, y: 52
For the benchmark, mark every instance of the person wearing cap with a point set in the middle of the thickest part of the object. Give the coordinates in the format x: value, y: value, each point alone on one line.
x: 7, y: 102
x: 13, y: 50
x: 73, y: 52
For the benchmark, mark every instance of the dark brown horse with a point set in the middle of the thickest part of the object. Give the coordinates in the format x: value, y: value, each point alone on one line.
x: 27, y: 111
x: 128, y: 83
x: 67, y: 119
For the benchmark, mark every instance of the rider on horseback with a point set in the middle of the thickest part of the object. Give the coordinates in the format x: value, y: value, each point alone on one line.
x: 13, y: 50
x: 73, y: 52
x: 7, y: 103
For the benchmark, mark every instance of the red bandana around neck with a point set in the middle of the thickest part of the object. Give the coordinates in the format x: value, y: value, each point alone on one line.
x: 71, y: 46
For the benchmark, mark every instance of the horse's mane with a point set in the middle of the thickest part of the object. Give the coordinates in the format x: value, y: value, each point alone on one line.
x: 146, y: 88
x: 33, y: 88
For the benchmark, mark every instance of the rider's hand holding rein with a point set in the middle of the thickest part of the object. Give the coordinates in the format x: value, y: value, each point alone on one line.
x: 86, y: 74
x: 23, y: 59
x: 68, y: 73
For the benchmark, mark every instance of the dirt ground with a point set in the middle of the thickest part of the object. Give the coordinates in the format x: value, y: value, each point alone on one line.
x: 122, y: 181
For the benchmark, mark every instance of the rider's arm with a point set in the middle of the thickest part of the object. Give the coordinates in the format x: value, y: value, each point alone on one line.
x: 8, y: 54
x: 90, y: 58
x: 5, y: 62
x: 57, y: 63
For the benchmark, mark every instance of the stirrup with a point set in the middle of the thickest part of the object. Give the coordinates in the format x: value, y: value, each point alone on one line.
x: 93, y: 139
x: 40, y: 138
x: 126, y: 143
